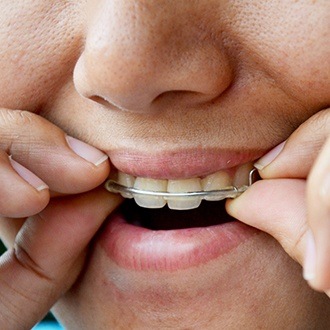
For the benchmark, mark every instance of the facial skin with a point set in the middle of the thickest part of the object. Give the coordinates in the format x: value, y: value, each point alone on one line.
x: 159, y: 78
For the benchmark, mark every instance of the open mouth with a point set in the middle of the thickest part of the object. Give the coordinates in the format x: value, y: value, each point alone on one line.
x: 207, y: 214
x: 170, y: 231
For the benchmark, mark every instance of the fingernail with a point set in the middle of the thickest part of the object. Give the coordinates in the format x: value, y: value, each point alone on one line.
x: 269, y: 157
x: 28, y: 176
x: 310, y: 258
x: 86, y: 151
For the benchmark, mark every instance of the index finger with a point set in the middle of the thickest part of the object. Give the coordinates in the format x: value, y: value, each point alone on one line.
x: 295, y: 157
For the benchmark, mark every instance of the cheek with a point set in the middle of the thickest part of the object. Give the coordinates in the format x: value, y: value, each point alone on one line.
x: 39, y: 41
x: 290, y: 42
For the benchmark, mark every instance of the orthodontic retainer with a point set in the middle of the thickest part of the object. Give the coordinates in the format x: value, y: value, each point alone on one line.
x: 212, y: 195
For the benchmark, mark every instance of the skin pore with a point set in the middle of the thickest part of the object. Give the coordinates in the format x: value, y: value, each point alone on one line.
x: 150, y: 80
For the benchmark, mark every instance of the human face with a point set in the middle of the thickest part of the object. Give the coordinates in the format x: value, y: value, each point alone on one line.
x: 175, y: 90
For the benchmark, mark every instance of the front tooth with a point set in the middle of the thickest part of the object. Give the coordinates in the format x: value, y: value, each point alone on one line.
x: 127, y: 181
x: 151, y: 202
x: 187, y: 185
x: 216, y: 181
x: 241, y: 177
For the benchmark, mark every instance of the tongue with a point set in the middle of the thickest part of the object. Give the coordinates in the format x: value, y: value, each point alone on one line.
x: 207, y: 214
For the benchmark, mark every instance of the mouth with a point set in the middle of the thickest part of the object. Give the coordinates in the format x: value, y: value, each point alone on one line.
x: 170, y: 233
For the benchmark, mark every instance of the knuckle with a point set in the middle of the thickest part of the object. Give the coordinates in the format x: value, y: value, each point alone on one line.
x: 317, y: 126
x: 25, y: 260
x: 15, y: 117
x: 298, y: 244
x: 15, y: 125
x: 320, y: 122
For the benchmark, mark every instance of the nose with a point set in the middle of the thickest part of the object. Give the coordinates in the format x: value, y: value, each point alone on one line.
x: 139, y: 55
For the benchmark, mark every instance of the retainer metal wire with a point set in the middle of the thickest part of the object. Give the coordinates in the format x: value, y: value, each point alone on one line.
x: 230, y: 192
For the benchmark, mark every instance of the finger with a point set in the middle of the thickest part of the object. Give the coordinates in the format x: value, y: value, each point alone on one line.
x: 277, y: 207
x: 21, y: 192
x: 306, y: 154
x: 295, y: 157
x: 318, y: 203
x: 48, y: 255
x: 66, y: 164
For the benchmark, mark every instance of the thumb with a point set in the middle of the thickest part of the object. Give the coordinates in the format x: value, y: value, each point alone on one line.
x: 48, y: 255
x: 263, y: 206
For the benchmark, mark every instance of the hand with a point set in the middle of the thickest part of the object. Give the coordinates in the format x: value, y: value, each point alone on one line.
x: 48, y: 255
x: 292, y: 203
x: 46, y: 243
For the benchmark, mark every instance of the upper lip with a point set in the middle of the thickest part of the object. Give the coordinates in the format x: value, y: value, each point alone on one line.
x: 180, y: 164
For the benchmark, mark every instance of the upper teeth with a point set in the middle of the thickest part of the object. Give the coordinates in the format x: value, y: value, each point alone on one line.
x: 153, y: 185
x: 216, y: 181
x: 186, y: 185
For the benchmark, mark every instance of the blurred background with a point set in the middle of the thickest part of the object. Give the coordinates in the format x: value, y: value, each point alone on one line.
x: 49, y: 322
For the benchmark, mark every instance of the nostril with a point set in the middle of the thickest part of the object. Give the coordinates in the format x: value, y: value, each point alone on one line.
x: 100, y: 100
x: 112, y: 104
x: 174, y: 94
x: 186, y: 97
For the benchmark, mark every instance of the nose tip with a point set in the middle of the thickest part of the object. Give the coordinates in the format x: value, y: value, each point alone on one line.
x: 132, y: 63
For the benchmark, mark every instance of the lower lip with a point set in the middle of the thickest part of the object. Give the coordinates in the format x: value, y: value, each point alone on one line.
x: 140, y: 249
